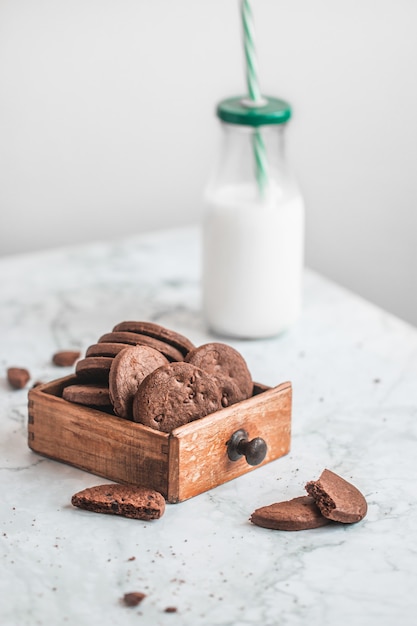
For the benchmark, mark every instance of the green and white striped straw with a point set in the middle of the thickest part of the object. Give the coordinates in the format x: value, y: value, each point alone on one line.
x: 254, y: 94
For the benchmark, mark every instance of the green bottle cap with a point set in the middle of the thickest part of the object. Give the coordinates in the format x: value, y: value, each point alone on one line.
x: 241, y: 110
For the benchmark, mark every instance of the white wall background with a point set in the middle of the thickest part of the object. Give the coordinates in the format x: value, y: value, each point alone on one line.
x: 107, y: 123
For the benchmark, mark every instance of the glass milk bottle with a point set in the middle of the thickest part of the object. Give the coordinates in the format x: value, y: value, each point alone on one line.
x: 253, y: 229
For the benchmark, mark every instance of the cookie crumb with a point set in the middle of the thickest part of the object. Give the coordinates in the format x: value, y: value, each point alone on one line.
x: 133, y: 598
x: 17, y: 377
x: 65, y: 358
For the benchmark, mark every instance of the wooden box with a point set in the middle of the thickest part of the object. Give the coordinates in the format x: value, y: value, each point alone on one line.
x: 190, y: 460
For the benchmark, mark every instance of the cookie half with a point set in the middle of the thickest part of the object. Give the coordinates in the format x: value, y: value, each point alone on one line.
x: 127, y: 500
x: 297, y: 514
x: 220, y: 359
x: 337, y: 499
x: 127, y: 371
x: 136, y: 339
x: 174, y: 395
x: 183, y: 344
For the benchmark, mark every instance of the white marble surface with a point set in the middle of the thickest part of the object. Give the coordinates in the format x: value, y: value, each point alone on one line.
x: 354, y: 372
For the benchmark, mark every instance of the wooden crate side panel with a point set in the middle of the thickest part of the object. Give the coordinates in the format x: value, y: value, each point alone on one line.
x: 173, y: 470
x: 202, y: 445
x: 99, y: 443
x: 56, y: 387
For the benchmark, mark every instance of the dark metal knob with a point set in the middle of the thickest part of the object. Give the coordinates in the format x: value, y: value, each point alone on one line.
x: 239, y: 445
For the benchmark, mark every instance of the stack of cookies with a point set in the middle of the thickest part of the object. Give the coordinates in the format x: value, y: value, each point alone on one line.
x: 144, y: 372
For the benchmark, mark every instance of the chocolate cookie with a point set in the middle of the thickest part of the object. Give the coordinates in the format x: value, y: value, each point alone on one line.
x: 128, y: 369
x: 136, y: 339
x: 94, y: 369
x: 183, y: 344
x: 127, y: 500
x: 296, y: 514
x: 219, y: 359
x: 174, y: 395
x: 88, y: 394
x: 105, y: 349
x: 337, y: 499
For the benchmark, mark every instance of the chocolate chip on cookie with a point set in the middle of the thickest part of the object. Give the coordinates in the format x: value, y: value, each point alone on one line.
x: 136, y: 339
x: 183, y: 344
x: 89, y: 394
x: 297, y: 514
x: 127, y: 371
x: 230, y: 392
x: 174, y: 395
x: 337, y: 499
x: 126, y: 500
x: 220, y: 359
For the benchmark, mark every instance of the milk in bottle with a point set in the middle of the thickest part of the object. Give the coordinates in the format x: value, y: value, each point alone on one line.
x: 253, y: 229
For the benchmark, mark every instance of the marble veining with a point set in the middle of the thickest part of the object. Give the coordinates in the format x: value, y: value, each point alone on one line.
x: 354, y: 371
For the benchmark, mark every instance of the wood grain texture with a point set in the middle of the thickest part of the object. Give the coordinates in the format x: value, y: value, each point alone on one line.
x: 190, y: 460
x: 94, y: 441
x: 202, y: 445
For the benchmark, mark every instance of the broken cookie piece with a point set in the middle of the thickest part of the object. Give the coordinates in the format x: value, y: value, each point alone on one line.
x: 296, y: 514
x: 17, y: 377
x: 337, y: 499
x: 65, y: 358
x: 126, y: 500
